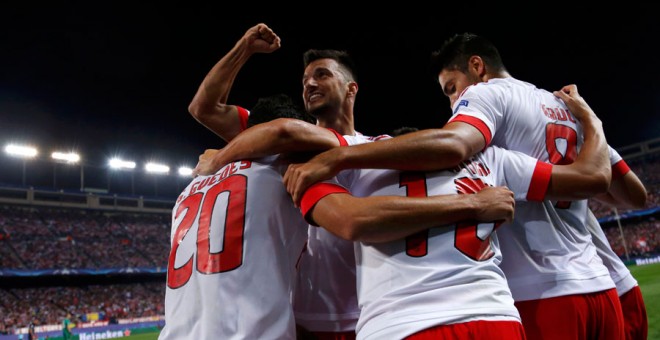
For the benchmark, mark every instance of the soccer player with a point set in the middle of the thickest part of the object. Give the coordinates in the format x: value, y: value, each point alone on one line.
x: 555, y: 273
x: 32, y: 335
x: 236, y: 238
x: 66, y: 327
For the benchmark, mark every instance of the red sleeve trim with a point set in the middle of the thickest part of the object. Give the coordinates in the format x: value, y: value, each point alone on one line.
x: 243, y: 115
x: 538, y: 188
x: 477, y: 123
x: 342, y: 140
x: 314, y: 194
x: 619, y: 169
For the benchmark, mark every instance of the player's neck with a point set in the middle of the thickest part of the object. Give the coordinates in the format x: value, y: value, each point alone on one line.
x: 342, y: 123
x: 496, y: 75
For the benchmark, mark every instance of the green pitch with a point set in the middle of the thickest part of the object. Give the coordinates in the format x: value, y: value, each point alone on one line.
x: 144, y: 336
x: 648, y: 277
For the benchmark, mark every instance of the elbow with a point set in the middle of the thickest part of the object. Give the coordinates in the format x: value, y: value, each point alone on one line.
x: 363, y: 228
x: 339, y: 217
x: 345, y: 227
x: 342, y: 229
x: 638, y: 201
x: 195, y: 109
x: 200, y: 111
x: 353, y: 228
x: 452, y: 147
x: 351, y: 234
x: 457, y: 154
x: 293, y: 135
x: 281, y: 133
x: 283, y: 128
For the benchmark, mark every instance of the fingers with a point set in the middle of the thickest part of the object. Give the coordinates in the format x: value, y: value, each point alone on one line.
x: 561, y: 95
x: 510, y: 201
x: 571, y: 88
x: 567, y: 92
x: 297, y: 190
x: 505, y: 203
x: 267, y: 34
x: 289, y: 179
x: 296, y: 181
x: 277, y: 43
x: 199, y: 168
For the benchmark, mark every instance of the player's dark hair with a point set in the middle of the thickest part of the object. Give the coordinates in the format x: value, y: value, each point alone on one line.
x: 341, y: 57
x: 277, y: 106
x: 457, y: 50
x: 403, y: 130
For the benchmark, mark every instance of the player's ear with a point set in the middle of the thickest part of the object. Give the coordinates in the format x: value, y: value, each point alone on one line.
x: 477, y: 66
x: 352, y: 88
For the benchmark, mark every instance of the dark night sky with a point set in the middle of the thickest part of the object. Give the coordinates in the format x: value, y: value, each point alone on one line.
x: 116, y: 77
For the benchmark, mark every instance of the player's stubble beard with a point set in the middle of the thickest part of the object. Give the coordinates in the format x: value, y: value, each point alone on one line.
x: 325, y: 110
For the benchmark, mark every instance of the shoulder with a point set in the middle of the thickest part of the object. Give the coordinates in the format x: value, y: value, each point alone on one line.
x: 491, y: 89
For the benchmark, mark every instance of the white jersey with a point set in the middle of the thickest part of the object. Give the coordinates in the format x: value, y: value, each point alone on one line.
x: 619, y: 273
x: 445, y: 275
x: 548, y: 251
x: 326, y: 295
x: 236, y: 238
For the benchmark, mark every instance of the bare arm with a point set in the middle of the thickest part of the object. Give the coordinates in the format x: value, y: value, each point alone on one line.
x: 389, y: 218
x: 590, y: 174
x: 626, y: 192
x: 281, y: 135
x: 423, y: 150
x: 209, y: 106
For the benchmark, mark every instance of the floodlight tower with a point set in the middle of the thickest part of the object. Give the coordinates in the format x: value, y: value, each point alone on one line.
x: 68, y: 158
x: 117, y: 163
x: 156, y: 169
x: 23, y: 151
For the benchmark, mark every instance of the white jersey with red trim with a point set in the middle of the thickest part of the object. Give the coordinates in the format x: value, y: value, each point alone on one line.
x: 548, y: 251
x: 444, y: 275
x: 619, y: 272
x: 236, y: 239
x: 326, y: 296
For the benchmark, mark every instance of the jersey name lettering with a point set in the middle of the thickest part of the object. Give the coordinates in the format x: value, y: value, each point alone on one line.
x: 226, y: 171
x: 557, y: 113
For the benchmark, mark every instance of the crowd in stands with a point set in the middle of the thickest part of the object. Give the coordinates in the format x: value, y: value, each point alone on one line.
x: 648, y: 171
x: 49, y: 305
x: 48, y: 238
x: 641, y: 238
x: 34, y: 238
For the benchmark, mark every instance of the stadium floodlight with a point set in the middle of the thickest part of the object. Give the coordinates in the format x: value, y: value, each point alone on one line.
x: 21, y: 151
x: 117, y: 163
x: 157, y: 168
x: 185, y: 171
x: 68, y: 157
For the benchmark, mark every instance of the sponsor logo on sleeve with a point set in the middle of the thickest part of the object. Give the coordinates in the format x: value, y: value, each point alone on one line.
x: 463, y: 102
